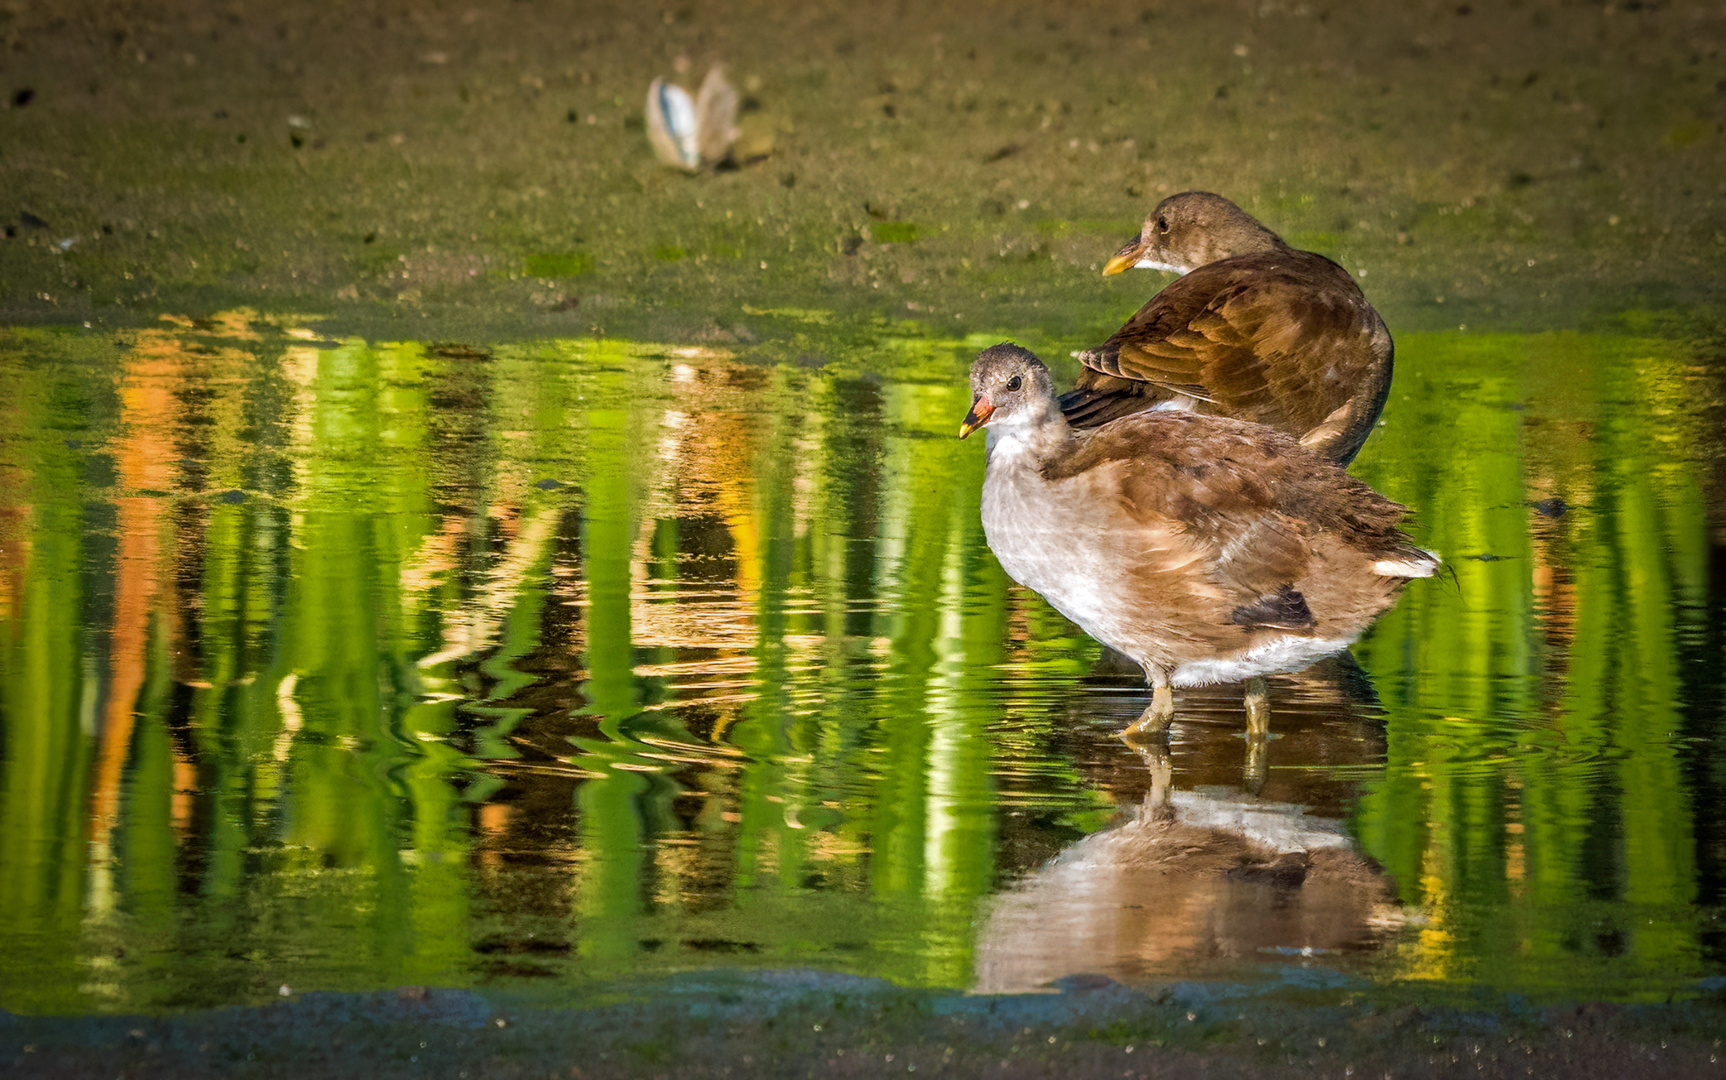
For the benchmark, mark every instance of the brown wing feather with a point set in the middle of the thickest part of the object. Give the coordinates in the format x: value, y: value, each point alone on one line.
x: 1279, y: 338
x: 1258, y: 506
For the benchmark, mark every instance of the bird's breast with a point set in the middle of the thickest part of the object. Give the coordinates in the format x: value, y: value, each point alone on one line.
x: 1047, y: 539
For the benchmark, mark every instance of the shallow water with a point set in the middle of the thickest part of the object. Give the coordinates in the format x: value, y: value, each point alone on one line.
x: 345, y: 664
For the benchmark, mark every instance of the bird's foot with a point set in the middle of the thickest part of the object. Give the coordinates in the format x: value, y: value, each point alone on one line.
x: 1258, y: 703
x: 1258, y: 734
x: 1154, y: 721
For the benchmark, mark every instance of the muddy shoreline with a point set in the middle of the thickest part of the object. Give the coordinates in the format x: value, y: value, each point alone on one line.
x: 798, y: 1023
x: 483, y: 170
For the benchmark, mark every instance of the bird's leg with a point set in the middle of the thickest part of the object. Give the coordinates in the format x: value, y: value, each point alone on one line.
x: 1158, y: 804
x: 1258, y: 733
x: 1154, y: 721
x: 1258, y: 708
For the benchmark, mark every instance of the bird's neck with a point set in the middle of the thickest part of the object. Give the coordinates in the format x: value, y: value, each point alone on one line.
x: 1030, y: 437
x: 1247, y: 238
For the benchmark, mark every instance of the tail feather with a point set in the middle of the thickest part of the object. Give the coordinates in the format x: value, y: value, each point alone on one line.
x: 1422, y: 564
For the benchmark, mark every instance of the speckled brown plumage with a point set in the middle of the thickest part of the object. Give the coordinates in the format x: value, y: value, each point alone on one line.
x: 1204, y: 548
x: 1255, y: 330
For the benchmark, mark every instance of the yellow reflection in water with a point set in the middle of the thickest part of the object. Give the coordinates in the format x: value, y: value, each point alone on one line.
x: 348, y: 664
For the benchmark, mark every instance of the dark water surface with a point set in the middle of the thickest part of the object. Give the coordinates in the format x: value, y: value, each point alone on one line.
x: 348, y: 665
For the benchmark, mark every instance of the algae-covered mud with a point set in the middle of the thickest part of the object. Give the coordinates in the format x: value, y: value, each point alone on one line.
x: 484, y: 168
x: 441, y: 547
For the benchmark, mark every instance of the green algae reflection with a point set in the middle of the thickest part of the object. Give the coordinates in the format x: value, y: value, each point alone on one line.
x: 338, y: 665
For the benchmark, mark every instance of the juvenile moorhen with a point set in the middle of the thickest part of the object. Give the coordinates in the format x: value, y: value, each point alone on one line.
x: 1254, y: 329
x: 1204, y: 548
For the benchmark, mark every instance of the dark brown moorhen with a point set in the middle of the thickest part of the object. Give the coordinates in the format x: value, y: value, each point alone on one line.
x: 1255, y: 330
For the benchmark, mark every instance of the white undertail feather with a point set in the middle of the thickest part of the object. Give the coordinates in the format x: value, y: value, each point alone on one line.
x: 1407, y: 568
x: 1178, y: 403
x: 1291, y: 652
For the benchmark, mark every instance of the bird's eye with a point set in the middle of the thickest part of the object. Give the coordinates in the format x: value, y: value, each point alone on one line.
x: 1014, y: 383
x: 1163, y: 225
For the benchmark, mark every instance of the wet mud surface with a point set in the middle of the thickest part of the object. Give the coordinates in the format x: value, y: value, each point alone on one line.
x: 485, y: 168
x: 808, y: 1024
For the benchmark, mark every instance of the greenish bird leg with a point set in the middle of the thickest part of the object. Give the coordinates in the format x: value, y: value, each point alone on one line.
x: 1258, y: 733
x: 1155, y: 719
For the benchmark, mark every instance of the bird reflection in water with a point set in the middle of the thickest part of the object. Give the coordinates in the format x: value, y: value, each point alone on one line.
x: 1188, y: 883
x: 1328, y: 718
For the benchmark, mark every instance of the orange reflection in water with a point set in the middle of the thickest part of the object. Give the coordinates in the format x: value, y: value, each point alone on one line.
x: 144, y: 454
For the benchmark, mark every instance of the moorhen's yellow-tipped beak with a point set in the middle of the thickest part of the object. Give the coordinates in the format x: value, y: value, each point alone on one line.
x: 1127, y: 258
x: 981, y: 410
